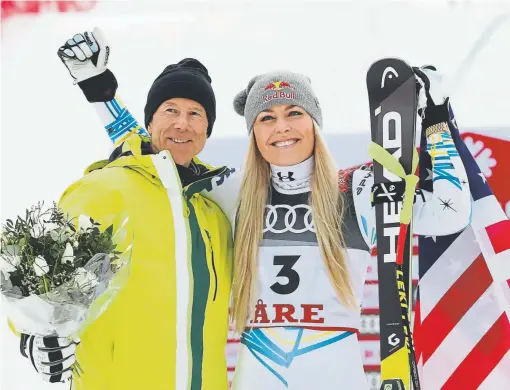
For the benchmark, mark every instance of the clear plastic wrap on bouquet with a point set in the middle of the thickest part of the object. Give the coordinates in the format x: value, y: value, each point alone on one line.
x: 67, y: 310
x: 88, y: 289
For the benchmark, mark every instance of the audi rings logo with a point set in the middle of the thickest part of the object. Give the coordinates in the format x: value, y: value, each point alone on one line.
x: 289, y: 219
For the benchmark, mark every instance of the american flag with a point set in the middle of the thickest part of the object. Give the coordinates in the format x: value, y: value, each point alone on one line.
x: 462, y: 329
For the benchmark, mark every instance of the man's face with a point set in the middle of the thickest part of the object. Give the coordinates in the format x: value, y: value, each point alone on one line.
x: 179, y: 125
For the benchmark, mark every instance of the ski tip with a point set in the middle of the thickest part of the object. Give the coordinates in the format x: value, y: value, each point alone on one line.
x: 384, y: 77
x: 390, y: 60
x: 389, y: 67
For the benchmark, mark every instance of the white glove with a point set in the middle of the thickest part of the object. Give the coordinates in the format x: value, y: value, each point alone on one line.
x: 85, y: 55
x: 433, y: 100
x: 433, y: 88
x: 51, y: 357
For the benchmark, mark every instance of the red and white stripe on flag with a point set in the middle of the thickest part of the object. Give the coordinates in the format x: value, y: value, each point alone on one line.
x: 492, y: 230
x: 462, y: 330
x: 495, y: 241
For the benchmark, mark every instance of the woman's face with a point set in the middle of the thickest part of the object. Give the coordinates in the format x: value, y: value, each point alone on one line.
x: 284, y: 135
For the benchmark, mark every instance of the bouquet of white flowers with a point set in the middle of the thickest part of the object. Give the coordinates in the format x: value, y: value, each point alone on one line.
x: 56, y: 278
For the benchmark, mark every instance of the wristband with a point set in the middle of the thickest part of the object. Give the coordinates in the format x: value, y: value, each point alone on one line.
x: 437, y: 128
x: 100, y: 88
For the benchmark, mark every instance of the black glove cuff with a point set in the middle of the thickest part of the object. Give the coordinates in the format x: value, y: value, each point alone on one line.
x: 100, y: 88
x: 435, y: 114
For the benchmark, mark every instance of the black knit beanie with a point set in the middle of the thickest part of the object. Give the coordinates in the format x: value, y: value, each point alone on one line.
x: 187, y: 79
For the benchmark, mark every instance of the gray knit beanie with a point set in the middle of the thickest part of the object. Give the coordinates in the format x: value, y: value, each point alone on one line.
x: 271, y: 89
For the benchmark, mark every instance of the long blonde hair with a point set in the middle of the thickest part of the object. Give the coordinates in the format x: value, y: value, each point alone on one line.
x: 327, y: 210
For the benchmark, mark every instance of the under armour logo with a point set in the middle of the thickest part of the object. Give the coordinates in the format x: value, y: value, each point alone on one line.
x: 285, y: 178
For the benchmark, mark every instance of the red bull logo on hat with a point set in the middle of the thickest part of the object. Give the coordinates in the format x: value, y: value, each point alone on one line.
x: 277, y: 87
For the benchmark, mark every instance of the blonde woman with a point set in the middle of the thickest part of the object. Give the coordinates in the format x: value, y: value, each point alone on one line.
x: 301, y: 246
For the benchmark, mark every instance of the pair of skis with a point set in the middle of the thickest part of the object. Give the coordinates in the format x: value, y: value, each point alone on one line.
x: 392, y: 93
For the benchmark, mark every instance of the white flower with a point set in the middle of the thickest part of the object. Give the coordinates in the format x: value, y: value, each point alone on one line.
x: 5, y: 282
x: 76, y: 244
x: 84, y: 280
x: 11, y: 253
x: 55, y: 235
x: 68, y: 256
x: 40, y: 266
x: 50, y: 226
x: 84, y: 222
x: 9, y: 259
x: 61, y: 235
x: 5, y: 267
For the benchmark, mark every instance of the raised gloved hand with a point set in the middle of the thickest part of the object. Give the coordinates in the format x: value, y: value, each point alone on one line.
x: 86, y: 56
x: 52, y: 357
x: 433, y: 98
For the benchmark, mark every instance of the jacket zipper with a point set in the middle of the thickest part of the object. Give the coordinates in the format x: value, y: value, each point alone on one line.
x: 213, y: 266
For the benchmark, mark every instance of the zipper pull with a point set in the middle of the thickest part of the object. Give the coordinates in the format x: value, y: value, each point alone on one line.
x: 213, y: 265
x: 208, y: 239
x: 185, y: 207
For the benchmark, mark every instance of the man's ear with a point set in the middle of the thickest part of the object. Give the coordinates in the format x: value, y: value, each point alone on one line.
x: 149, y: 128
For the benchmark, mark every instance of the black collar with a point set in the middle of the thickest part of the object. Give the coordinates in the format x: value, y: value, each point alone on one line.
x: 188, y: 175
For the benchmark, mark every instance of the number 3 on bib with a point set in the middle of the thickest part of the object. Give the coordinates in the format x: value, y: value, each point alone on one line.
x: 288, y: 272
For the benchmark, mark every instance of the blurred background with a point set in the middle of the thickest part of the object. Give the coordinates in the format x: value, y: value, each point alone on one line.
x: 49, y: 133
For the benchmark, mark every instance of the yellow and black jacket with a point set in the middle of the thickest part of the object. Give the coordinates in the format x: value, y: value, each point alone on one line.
x: 167, y: 328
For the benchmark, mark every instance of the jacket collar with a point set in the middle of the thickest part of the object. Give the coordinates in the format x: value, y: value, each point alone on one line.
x: 135, y: 154
x: 293, y: 179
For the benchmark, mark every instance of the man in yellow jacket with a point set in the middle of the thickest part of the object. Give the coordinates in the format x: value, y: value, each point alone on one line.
x: 167, y: 328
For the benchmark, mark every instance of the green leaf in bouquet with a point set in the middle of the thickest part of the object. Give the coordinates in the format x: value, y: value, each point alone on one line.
x: 45, y: 285
x: 41, y: 243
x: 55, y: 249
x: 109, y: 230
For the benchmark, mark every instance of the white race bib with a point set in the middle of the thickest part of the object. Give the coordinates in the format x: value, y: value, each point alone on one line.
x: 294, y: 289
